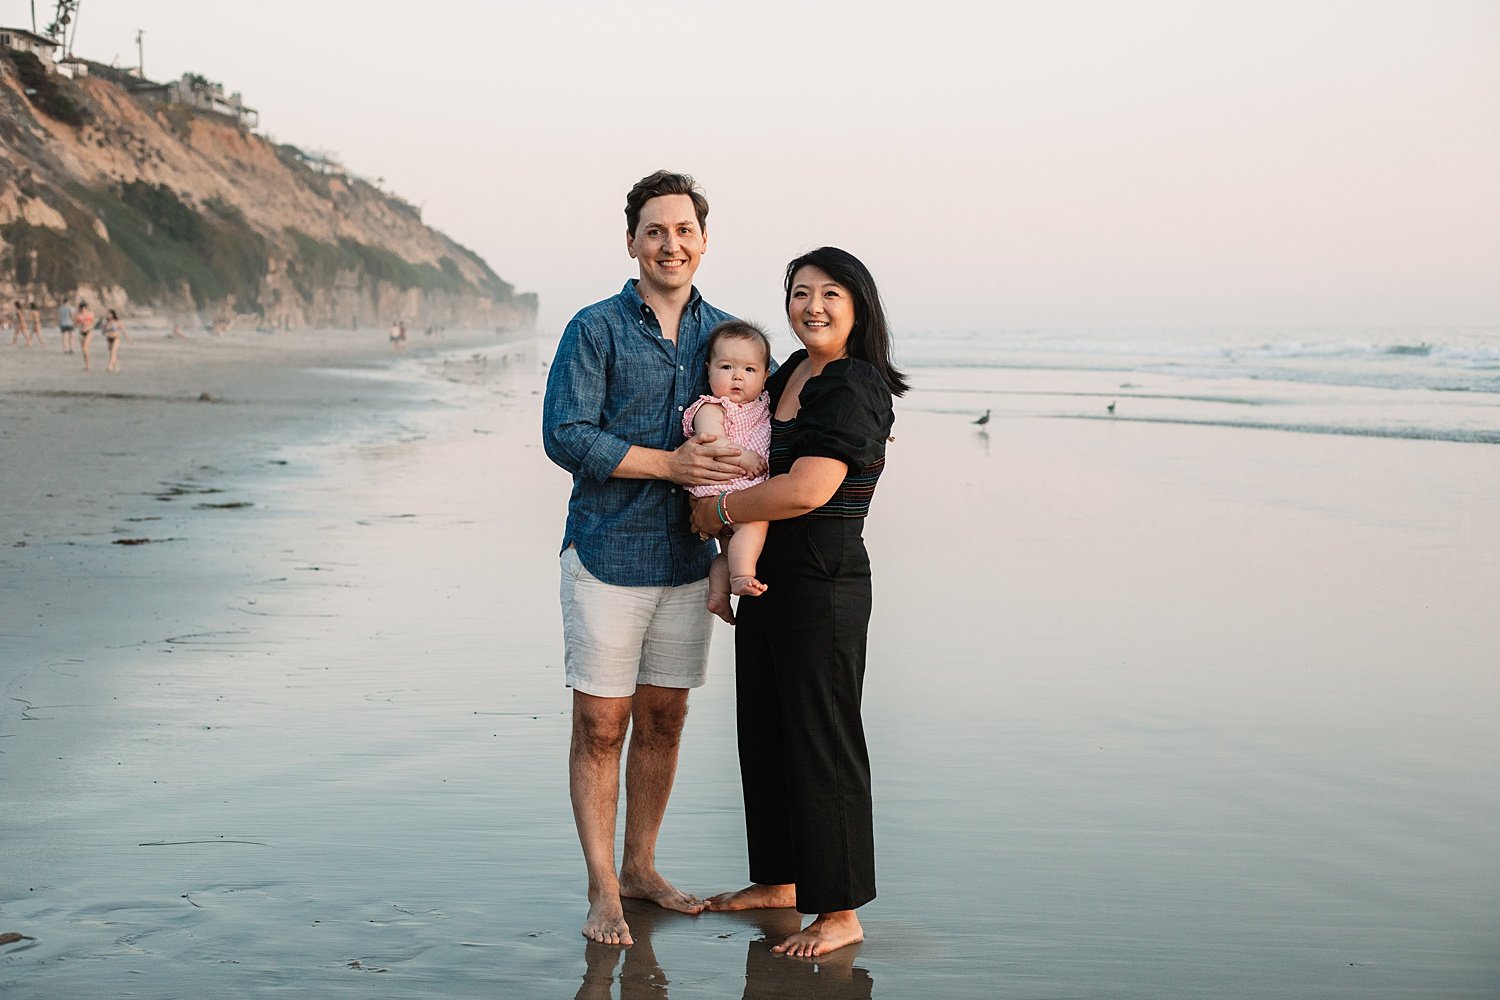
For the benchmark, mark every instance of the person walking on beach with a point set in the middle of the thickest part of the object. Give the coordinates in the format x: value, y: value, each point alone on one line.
x: 36, y: 325
x: 800, y: 646
x: 18, y: 317
x: 65, y: 326
x: 634, y: 578
x: 114, y: 332
x: 85, y: 331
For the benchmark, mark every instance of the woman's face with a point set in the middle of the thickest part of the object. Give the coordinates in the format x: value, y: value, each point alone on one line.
x: 821, y: 312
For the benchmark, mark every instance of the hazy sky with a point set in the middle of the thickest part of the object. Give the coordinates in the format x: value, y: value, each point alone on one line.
x: 997, y: 164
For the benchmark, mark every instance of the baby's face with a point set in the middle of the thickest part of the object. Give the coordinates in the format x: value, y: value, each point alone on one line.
x: 737, y: 370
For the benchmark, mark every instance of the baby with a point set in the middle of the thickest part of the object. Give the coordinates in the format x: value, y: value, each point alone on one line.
x: 739, y: 410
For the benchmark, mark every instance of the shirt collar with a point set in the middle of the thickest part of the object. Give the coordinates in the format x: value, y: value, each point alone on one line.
x: 638, y: 305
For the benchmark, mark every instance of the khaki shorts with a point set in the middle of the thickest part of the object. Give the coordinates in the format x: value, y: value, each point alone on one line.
x: 615, y: 638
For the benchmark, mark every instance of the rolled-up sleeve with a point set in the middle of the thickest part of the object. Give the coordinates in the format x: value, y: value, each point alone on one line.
x: 573, y: 408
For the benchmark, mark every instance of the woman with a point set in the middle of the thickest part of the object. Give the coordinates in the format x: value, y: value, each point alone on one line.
x: 85, y: 320
x: 800, y: 646
x: 114, y: 332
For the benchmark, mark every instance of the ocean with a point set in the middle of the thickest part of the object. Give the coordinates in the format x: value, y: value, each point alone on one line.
x: 1426, y: 383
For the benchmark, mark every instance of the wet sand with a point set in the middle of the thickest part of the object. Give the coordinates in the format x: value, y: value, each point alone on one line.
x: 1155, y: 711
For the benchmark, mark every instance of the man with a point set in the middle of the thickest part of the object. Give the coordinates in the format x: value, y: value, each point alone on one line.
x: 634, y: 576
x: 65, y: 326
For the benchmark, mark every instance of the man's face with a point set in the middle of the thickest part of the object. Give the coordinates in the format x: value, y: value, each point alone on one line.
x: 667, y: 244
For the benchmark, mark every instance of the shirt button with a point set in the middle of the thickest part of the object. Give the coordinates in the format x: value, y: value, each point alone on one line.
x: 682, y: 368
x: 679, y: 409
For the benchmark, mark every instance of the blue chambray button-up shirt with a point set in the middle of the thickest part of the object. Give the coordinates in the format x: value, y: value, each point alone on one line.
x: 616, y: 382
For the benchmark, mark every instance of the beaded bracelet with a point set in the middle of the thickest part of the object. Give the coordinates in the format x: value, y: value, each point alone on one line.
x: 723, y: 511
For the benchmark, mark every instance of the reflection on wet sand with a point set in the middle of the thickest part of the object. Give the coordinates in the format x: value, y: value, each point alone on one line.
x: 767, y: 976
x: 640, y: 974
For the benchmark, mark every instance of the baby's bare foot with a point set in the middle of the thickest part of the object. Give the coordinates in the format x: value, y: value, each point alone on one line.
x: 755, y: 897
x: 651, y: 887
x: 746, y: 586
x: 830, y: 932
x: 719, y: 605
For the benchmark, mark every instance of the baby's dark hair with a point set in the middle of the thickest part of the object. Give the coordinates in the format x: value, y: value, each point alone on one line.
x: 738, y: 329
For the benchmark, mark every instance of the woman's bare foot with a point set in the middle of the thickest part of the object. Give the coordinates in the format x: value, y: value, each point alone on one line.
x: 755, y: 897
x: 651, y: 887
x: 830, y: 932
x: 746, y: 586
x: 605, y: 923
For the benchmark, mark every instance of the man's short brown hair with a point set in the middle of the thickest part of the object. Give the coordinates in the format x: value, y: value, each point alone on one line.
x: 660, y: 183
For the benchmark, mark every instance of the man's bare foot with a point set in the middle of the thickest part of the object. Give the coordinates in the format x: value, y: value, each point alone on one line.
x: 606, y: 923
x: 746, y: 586
x: 719, y: 605
x: 830, y: 932
x: 651, y: 887
x: 755, y: 897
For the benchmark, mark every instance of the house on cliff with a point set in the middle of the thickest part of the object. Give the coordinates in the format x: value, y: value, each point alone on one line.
x: 28, y: 41
x: 73, y: 67
x: 201, y: 95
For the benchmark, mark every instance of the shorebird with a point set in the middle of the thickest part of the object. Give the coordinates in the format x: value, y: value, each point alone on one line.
x: 984, y: 419
x: 1111, y: 407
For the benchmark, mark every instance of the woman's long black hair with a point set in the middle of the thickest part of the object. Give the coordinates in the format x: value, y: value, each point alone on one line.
x: 870, y: 340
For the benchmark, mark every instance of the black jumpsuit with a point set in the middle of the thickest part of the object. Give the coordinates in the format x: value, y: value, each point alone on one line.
x: 800, y: 654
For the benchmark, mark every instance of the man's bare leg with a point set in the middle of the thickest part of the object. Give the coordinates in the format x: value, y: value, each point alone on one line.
x: 599, y: 727
x: 755, y: 897
x: 650, y: 768
x: 829, y: 932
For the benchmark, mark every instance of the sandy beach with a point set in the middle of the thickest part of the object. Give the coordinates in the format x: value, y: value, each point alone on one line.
x: 1155, y: 710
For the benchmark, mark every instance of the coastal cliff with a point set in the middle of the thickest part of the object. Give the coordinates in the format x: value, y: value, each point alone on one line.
x: 135, y: 204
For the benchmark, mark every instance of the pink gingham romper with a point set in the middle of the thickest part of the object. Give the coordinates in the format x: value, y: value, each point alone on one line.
x: 745, y: 424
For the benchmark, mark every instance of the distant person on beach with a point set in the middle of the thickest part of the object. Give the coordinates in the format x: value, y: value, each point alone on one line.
x: 85, y: 331
x: 395, y: 335
x: 736, y: 409
x: 114, y: 332
x: 634, y: 577
x: 65, y: 326
x: 36, y: 325
x: 800, y: 646
x: 17, y: 316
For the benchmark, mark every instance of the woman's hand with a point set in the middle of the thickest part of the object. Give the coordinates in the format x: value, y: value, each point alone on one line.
x: 706, y: 523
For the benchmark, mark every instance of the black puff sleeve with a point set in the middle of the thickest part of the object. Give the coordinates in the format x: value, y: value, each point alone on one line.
x: 845, y: 413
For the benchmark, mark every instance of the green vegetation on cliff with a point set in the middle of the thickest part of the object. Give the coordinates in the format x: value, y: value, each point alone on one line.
x: 48, y: 92
x: 157, y: 243
x: 317, y: 265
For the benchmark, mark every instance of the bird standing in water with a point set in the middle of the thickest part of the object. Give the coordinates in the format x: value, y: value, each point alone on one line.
x: 984, y: 419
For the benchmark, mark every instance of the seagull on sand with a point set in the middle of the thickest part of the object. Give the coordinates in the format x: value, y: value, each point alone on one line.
x: 984, y: 419
x: 1111, y: 407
